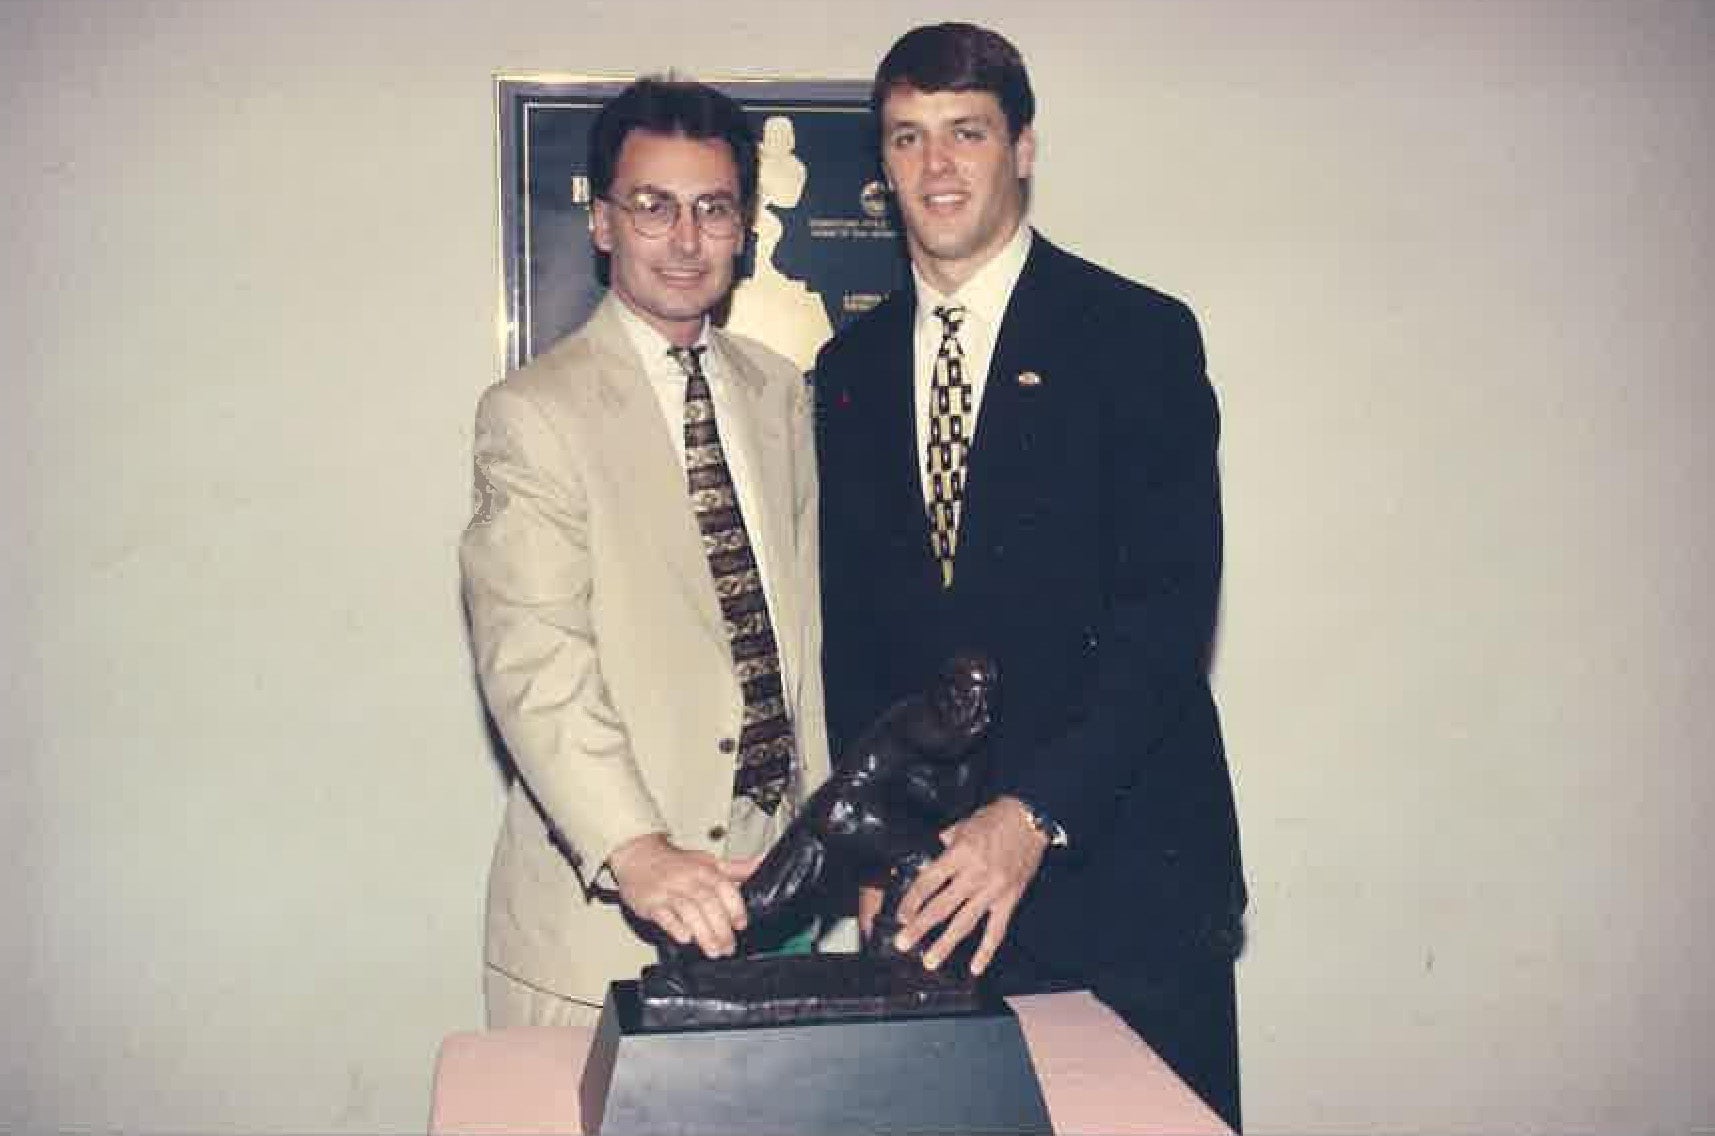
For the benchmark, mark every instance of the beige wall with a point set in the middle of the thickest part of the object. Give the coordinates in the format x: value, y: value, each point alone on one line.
x: 1456, y: 264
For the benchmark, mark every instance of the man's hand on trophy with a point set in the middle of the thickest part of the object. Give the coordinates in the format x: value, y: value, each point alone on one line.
x: 692, y: 896
x: 990, y: 858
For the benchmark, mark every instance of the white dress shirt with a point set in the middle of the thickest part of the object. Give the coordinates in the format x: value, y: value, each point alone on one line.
x: 667, y: 380
x: 750, y: 831
x: 984, y: 298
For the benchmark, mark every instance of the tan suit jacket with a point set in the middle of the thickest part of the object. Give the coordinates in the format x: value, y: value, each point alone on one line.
x: 599, y: 639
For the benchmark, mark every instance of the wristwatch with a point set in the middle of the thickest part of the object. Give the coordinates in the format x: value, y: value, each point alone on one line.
x: 1044, y: 824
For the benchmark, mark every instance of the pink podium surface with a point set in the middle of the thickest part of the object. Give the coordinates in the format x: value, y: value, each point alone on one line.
x: 1096, y: 1075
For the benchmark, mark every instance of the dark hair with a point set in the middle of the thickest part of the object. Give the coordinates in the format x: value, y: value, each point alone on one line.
x: 957, y: 57
x: 672, y: 106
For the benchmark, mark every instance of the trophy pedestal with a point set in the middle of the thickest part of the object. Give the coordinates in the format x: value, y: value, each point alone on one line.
x: 967, y: 1072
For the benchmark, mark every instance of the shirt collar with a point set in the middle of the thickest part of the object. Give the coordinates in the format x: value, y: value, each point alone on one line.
x: 986, y: 293
x: 652, y: 347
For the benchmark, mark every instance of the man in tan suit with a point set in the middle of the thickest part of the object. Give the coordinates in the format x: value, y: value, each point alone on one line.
x: 641, y: 580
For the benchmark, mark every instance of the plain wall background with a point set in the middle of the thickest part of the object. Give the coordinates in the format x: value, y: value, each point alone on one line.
x: 1456, y: 268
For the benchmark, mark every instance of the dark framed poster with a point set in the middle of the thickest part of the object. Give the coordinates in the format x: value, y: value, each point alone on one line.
x: 826, y: 246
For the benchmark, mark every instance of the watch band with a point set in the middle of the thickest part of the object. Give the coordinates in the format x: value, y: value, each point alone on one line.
x: 1044, y: 824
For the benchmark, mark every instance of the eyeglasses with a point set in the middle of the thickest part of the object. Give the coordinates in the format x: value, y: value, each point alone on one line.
x: 654, y: 213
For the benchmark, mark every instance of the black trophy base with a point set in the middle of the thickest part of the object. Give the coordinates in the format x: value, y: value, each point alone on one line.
x: 798, y: 989
x: 967, y: 1073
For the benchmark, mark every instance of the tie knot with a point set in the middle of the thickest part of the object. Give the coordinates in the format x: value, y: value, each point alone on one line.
x: 690, y: 360
x: 952, y: 316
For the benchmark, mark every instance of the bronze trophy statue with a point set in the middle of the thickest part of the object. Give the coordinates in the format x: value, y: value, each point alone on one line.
x: 871, y: 1042
x: 876, y: 821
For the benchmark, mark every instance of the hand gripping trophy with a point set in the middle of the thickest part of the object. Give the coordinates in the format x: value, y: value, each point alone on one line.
x: 877, y: 821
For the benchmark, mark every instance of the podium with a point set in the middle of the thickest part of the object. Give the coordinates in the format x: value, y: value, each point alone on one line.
x: 1096, y: 1076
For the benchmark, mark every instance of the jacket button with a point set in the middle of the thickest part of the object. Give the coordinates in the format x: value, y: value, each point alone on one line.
x: 717, y: 833
x: 728, y: 745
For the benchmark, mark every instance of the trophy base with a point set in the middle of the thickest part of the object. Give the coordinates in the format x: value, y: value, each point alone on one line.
x: 797, y: 990
x: 967, y: 1072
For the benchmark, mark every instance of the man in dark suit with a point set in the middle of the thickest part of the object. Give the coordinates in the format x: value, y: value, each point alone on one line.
x: 1018, y: 457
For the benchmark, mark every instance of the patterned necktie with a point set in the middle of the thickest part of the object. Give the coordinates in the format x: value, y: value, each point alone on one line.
x: 765, y: 743
x: 947, y: 447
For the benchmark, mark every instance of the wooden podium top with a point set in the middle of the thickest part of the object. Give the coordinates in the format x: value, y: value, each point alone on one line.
x: 1096, y: 1076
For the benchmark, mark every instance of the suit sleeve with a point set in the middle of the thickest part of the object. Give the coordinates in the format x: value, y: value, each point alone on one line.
x: 1147, y: 685
x: 528, y: 579
x: 849, y: 626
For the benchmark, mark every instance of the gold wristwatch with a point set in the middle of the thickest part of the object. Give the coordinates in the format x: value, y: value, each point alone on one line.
x: 1044, y: 824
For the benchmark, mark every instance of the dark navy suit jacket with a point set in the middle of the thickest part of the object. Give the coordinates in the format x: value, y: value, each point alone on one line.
x: 1088, y: 567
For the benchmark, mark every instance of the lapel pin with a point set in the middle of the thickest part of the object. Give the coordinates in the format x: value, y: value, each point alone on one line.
x: 1029, y: 379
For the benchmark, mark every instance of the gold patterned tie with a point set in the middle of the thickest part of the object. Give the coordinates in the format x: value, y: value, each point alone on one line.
x: 947, y: 445
x: 765, y: 745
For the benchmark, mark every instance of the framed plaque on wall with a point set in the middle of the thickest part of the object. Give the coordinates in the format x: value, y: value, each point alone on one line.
x: 826, y: 246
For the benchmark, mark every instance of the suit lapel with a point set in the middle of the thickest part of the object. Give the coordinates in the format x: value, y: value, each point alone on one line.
x: 1025, y: 347
x: 636, y: 452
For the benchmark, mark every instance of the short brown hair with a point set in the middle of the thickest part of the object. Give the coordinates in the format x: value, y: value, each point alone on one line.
x: 672, y: 106
x: 957, y: 57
